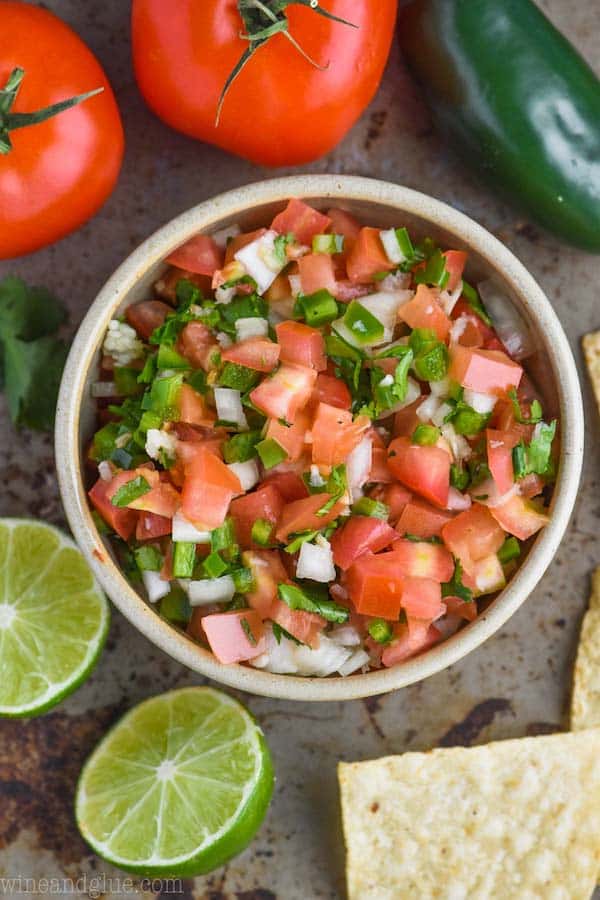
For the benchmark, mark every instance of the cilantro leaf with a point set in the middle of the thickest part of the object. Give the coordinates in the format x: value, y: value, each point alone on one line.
x: 28, y: 313
x: 32, y: 373
x: 456, y: 588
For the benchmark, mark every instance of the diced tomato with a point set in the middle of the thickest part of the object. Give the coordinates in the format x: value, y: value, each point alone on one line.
x: 200, y: 254
x: 302, y: 345
x: 268, y: 573
x: 290, y: 437
x: 146, y: 316
x: 335, y: 434
x: 162, y: 500
x: 208, y: 489
x: 380, y: 471
x: 425, y: 311
x: 367, y: 257
x: 301, y: 515
x: 503, y: 419
x: 333, y: 391
x: 345, y: 224
x: 150, y: 526
x: 193, y: 408
x: 423, y: 469
x: 500, y: 445
x: 304, y: 626
x: 301, y: 220
x: 408, y: 641
x: 375, y: 585
x: 485, y: 371
x: 241, y: 240
x: 395, y: 496
x: 284, y: 393
x: 235, y: 636
x: 357, y: 535
x: 289, y: 484
x: 422, y: 520
x: 421, y: 559
x: 197, y: 344
x: 472, y: 535
x: 422, y: 598
x: 166, y: 286
x: 520, y: 517
x: 264, y: 503
x: 406, y: 420
x: 456, y: 261
x: 457, y: 607
x: 280, y: 289
x: 531, y: 486
x: 121, y: 520
x: 254, y: 353
x: 317, y: 273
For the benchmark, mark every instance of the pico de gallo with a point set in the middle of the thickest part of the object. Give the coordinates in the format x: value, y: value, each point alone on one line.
x: 316, y: 453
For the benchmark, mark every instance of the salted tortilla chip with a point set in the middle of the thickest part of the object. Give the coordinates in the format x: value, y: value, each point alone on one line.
x: 585, y: 700
x: 512, y: 819
x: 591, y: 351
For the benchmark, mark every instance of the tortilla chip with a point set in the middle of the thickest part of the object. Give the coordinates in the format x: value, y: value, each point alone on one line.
x: 585, y: 700
x: 512, y: 819
x: 591, y: 351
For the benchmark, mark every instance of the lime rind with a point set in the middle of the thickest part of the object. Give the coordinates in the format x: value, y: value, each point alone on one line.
x: 60, y: 636
x: 179, y: 786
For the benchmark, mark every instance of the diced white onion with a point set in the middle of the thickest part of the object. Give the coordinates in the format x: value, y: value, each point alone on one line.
x: 261, y: 261
x: 105, y: 470
x: 458, y: 444
x: 224, y: 340
x: 386, y: 381
x: 481, y: 403
x: 159, y: 441
x: 316, y: 562
x: 493, y: 498
x: 156, y: 587
x: 428, y: 408
x: 356, y: 661
x: 413, y: 393
x: 252, y: 326
x: 457, y: 501
x: 295, y: 284
x: 489, y: 575
x: 222, y: 236
x: 508, y: 323
x: 315, y: 478
x: 211, y: 590
x: 384, y: 306
x: 229, y: 407
x: 281, y: 310
x: 324, y: 660
x: 346, y: 635
x: 224, y: 295
x: 458, y: 328
x: 184, y: 530
x: 397, y: 281
x: 102, y: 389
x: 440, y: 414
x: 448, y: 300
x: 440, y: 388
x: 389, y: 239
x: 247, y: 472
x: 358, y: 466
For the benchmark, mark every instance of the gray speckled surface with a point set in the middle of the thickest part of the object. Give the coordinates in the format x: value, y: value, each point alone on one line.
x: 516, y: 684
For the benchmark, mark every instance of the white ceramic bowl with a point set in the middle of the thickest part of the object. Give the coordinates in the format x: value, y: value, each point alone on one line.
x: 376, y: 203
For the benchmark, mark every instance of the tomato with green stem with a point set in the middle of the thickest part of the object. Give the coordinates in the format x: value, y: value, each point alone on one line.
x: 278, y: 82
x: 61, y: 138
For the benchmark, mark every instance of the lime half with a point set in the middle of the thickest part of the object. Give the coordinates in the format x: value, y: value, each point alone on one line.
x: 53, y: 617
x: 179, y: 786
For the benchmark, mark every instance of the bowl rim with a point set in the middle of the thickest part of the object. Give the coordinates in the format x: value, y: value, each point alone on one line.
x: 207, y: 216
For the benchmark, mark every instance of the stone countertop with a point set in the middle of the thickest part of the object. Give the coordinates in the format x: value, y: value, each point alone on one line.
x: 515, y: 684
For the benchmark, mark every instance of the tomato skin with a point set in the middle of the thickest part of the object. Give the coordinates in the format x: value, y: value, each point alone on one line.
x: 408, y: 641
x: 520, y: 517
x: 317, y: 273
x: 335, y: 435
x: 123, y: 520
x: 264, y: 503
x: 289, y: 484
x: 268, y: 573
x: 344, y: 223
x: 162, y: 500
x: 146, y: 316
x: 301, y: 515
x: 254, y: 353
x: 358, y: 535
x: 367, y: 257
x: 333, y: 391
x: 286, y: 392
x: 421, y: 519
x: 150, y: 526
x: 425, y: 470
x: 304, y: 626
x: 500, y: 445
x: 424, y: 311
x: 60, y: 172
x: 199, y: 255
x: 281, y: 110
x: 197, y: 344
x: 375, y: 586
x: 301, y: 220
x: 486, y: 371
x: 301, y: 344
x: 422, y: 598
x: 472, y: 535
x: 456, y: 261
x: 193, y: 408
x: 208, y: 489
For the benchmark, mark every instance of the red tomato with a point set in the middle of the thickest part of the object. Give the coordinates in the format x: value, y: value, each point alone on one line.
x: 317, y: 273
x: 301, y: 344
x: 457, y: 607
x: 456, y: 261
x: 531, y: 486
x: 503, y: 419
x: 264, y: 503
x: 520, y: 517
x: 472, y: 535
x: 484, y: 332
x: 150, y: 526
x: 380, y: 471
x: 268, y: 573
x: 301, y: 515
x: 241, y: 240
x: 357, y: 535
x: 162, y: 500
x: 208, y: 489
x: 421, y: 519
x: 289, y: 484
x: 146, y: 316
x: 285, y: 392
x: 197, y: 344
x: 375, y: 585
x: 281, y: 110
x: 425, y: 470
x: 367, y: 257
x: 500, y: 445
x: 255, y: 353
x: 424, y: 311
x: 486, y: 371
x: 420, y: 559
x: 345, y: 224
x: 228, y: 637
x: 124, y: 520
x: 395, y: 496
x: 408, y: 641
x: 193, y: 408
x: 335, y: 434
x: 199, y: 255
x: 301, y: 220
x: 60, y: 172
x: 304, y: 626
x: 333, y: 391
x: 290, y: 437
x: 422, y: 598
